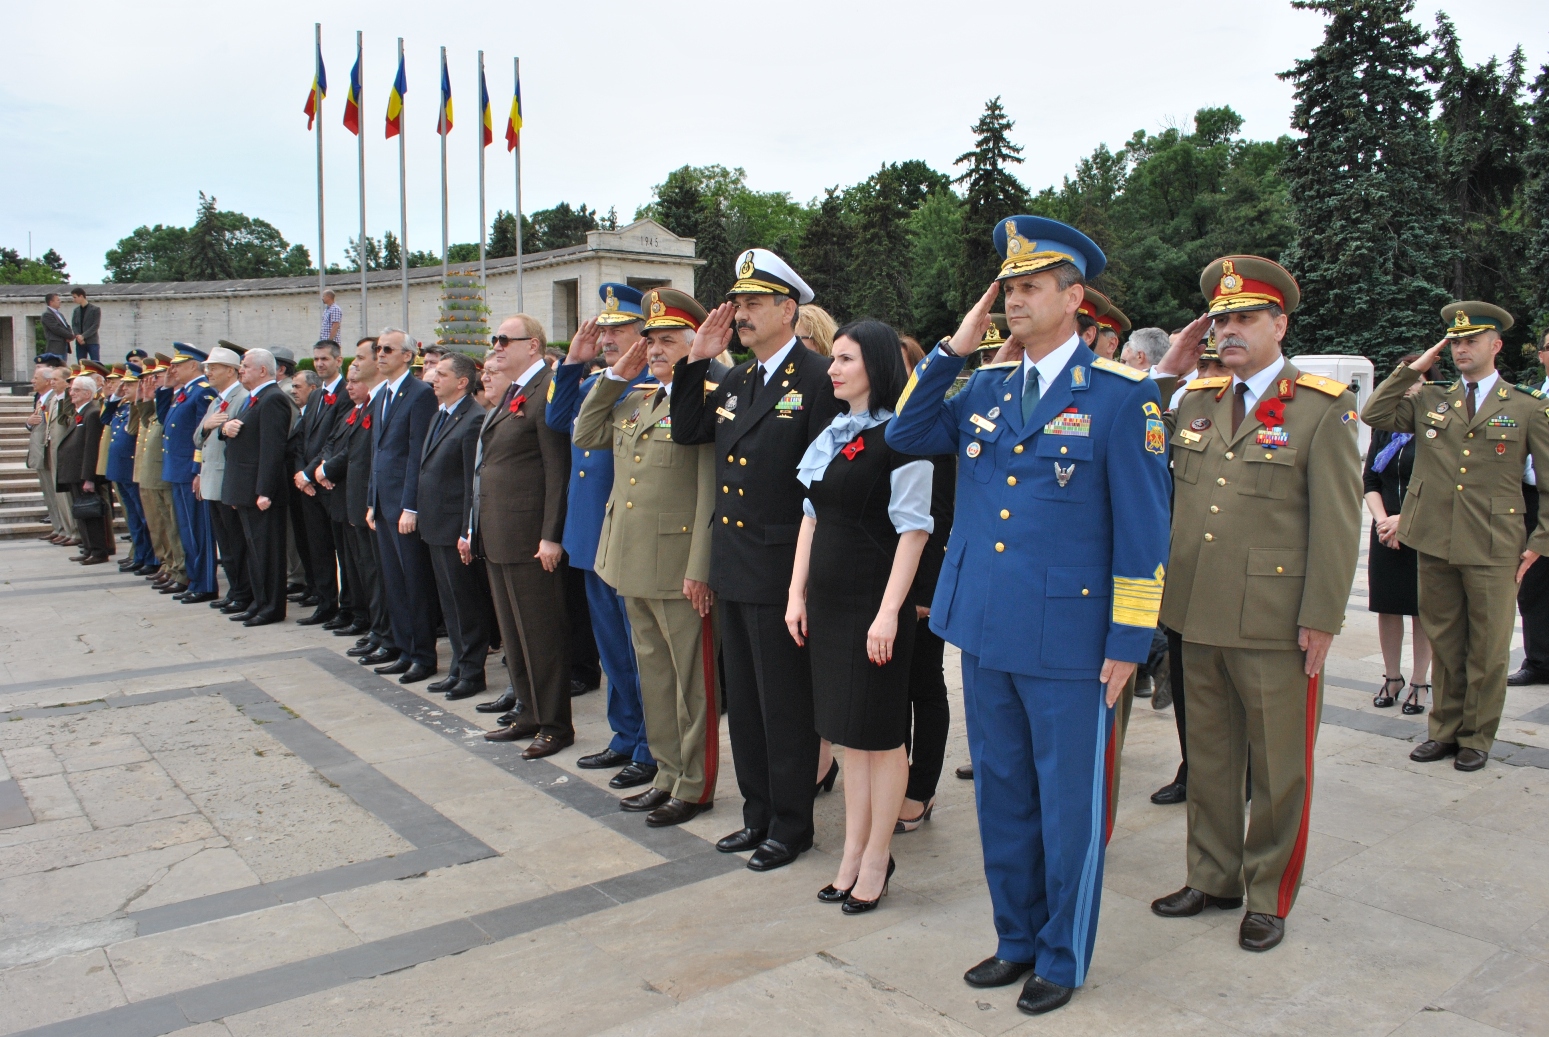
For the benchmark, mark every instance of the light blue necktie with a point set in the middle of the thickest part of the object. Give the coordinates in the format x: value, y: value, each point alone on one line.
x: 1030, y: 394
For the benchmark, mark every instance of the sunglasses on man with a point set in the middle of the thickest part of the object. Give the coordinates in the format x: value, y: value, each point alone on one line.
x: 502, y: 341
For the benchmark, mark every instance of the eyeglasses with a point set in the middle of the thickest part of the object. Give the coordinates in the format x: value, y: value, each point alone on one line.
x: 379, y: 350
x: 502, y: 341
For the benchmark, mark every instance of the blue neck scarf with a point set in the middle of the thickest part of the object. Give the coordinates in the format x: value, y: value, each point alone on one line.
x: 1389, y: 452
x: 840, y: 431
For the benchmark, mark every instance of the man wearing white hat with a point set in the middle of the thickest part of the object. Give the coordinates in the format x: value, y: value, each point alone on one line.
x: 210, y: 459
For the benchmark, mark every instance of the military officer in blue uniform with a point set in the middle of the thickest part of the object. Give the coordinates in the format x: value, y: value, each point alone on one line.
x: 591, y: 480
x: 120, y: 470
x: 1050, y: 587
x: 181, y: 405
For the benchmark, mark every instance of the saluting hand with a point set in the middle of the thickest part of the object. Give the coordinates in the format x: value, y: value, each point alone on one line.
x: 1183, y: 354
x: 714, y: 334
x: 1424, y: 361
x: 632, y: 362
x: 584, y: 344
x: 971, y: 332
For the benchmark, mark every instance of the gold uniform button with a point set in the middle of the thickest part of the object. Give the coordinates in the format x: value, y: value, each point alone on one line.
x: 742, y: 460
x: 1064, y: 450
x: 581, y: 475
x: 1465, y: 453
x: 1017, y: 449
x: 1462, y: 471
x: 1279, y: 568
x: 1470, y: 435
x: 725, y: 521
x: 586, y: 453
x: 1230, y: 455
x: 1004, y: 513
x: 1220, y: 482
x: 685, y: 529
x: 739, y: 491
x: 1460, y: 486
x: 1210, y: 536
x: 1000, y: 547
x: 631, y: 481
x: 739, y: 523
x: 645, y: 435
x: 1011, y: 480
x: 729, y: 459
x: 1214, y: 509
x: 629, y: 504
x: 725, y: 489
x: 637, y: 459
x: 1269, y: 457
x: 1085, y: 592
x: 1511, y: 511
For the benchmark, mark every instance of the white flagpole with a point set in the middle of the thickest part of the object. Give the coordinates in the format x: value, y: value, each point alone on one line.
x: 403, y: 200
x: 441, y: 123
x: 360, y: 141
x: 483, y: 230
x: 317, y: 101
x: 521, y: 300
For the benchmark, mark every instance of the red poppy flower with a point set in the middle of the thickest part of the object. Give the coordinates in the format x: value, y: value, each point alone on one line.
x: 224, y: 405
x: 181, y: 397
x: 351, y: 419
x: 855, y: 446
x: 329, y: 398
x: 1271, y: 412
x: 516, y: 404
x: 366, y: 423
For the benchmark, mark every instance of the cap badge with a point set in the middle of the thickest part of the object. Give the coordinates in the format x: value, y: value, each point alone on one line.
x: 611, y: 303
x: 657, y: 306
x: 746, y: 269
x: 1016, y: 244
x: 1461, y: 320
x: 1231, y: 283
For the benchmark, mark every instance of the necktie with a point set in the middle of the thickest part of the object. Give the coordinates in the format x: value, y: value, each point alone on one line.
x: 1473, y: 387
x: 758, y: 379
x: 1030, y: 393
x: 387, y: 397
x: 440, y: 420
x: 1239, y: 405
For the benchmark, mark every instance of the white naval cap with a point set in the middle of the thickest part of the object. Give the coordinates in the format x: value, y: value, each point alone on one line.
x: 761, y: 272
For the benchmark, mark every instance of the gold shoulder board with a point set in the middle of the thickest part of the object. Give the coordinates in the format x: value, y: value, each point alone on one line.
x: 1123, y: 370
x: 1207, y: 383
x: 1323, y: 385
x: 711, y: 386
x: 996, y: 367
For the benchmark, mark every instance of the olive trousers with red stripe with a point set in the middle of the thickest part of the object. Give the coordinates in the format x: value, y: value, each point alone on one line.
x: 1248, y: 702
x: 675, y: 653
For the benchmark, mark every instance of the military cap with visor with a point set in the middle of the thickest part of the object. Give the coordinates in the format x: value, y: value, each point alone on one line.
x: 1470, y: 318
x: 670, y: 308
x: 620, y: 304
x: 761, y: 272
x: 1241, y: 284
x: 1032, y: 244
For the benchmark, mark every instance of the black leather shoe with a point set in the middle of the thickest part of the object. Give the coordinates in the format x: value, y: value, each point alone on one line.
x: 503, y: 704
x: 1470, y: 759
x: 310, y: 601
x: 244, y: 616
x: 416, y: 673
x: 465, y: 690
x: 507, y: 719
x: 200, y: 598
x: 1190, y: 901
x: 580, y: 687
x: 220, y: 603
x: 295, y: 588
x: 1260, y: 932
x: 1526, y: 675
x: 966, y: 772
x: 675, y: 812
x: 650, y: 799
x: 446, y: 683
x: 338, y: 621
x: 317, y: 618
x: 741, y: 839
x: 633, y: 774
x: 772, y: 854
x: 261, y: 621
x: 1430, y: 750
x: 354, y: 628
x: 400, y: 664
x: 996, y: 972
x: 603, y: 760
x: 231, y: 608
x: 1040, y: 996
x: 1172, y: 792
x: 360, y: 650
x: 380, y: 656
x: 175, y: 588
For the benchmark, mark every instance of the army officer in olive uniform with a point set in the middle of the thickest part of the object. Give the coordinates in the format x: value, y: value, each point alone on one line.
x: 1463, y: 514
x: 1266, y: 528
x: 654, y: 550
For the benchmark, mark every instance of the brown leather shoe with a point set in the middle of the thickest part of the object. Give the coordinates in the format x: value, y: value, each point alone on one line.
x: 513, y: 733
x: 1470, y: 759
x: 650, y: 799
x: 1190, y: 901
x: 1430, y: 750
x: 546, y: 745
x: 70, y: 542
x: 675, y: 812
x: 1260, y: 932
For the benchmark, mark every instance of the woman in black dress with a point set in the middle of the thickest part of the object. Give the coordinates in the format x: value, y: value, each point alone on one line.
x: 868, y: 517
x: 1391, y: 568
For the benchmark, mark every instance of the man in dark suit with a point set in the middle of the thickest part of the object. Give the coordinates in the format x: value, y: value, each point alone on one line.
x: 256, y: 482
x: 404, y: 409
x: 761, y: 418
x: 326, y: 407
x: 58, y: 335
x: 346, y: 468
x: 517, y: 523
x: 446, y: 487
x: 86, y: 322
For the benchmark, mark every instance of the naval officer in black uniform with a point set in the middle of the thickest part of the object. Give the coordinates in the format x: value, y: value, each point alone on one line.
x: 761, y: 418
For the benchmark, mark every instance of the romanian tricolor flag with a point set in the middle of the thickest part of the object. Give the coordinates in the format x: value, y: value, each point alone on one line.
x: 395, y: 102
x: 352, y: 102
x: 488, y: 127
x: 319, y: 89
x: 444, y: 115
x: 514, y: 121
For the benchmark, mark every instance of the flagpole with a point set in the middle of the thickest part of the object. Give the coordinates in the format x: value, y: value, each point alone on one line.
x: 322, y: 264
x: 483, y: 230
x: 521, y: 301
x: 441, y: 123
x: 360, y: 140
x: 403, y: 204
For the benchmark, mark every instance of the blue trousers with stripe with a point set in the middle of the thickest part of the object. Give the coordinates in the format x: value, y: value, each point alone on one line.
x: 610, y: 627
x: 198, y: 536
x: 134, y: 515
x: 1040, y: 752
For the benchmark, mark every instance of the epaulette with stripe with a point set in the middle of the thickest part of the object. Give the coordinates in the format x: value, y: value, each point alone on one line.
x: 1122, y: 370
x: 1537, y: 394
x: 999, y: 366
x: 1322, y: 384
x: 1207, y: 383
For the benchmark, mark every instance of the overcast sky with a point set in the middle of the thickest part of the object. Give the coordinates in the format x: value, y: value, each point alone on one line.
x: 118, y: 114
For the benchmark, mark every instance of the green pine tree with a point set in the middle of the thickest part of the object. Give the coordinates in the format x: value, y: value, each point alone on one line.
x: 824, y: 256
x: 392, y: 251
x: 1535, y: 209
x: 992, y: 194
x: 1372, y: 242
x: 936, y: 246
x: 208, y: 258
x: 715, y: 246
x: 881, y: 285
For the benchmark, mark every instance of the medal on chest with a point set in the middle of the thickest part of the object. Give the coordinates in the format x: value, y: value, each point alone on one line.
x: 789, y: 404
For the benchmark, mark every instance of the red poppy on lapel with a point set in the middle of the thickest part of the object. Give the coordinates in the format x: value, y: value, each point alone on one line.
x: 367, y: 422
x: 78, y: 419
x: 351, y: 419
x: 516, y: 404
x: 1271, y: 412
x: 224, y: 405
x: 329, y: 398
x: 181, y: 396
x: 853, y: 447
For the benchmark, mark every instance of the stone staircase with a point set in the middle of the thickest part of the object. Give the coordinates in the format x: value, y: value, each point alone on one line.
x: 21, y: 502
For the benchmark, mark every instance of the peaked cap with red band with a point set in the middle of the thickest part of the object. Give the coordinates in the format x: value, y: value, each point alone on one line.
x: 670, y: 308
x: 1237, y: 284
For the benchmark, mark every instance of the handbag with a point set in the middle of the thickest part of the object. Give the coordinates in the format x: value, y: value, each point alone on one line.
x: 88, y: 507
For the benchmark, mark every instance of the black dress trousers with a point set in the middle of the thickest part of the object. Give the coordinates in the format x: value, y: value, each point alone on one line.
x: 467, y: 619
x: 233, y: 551
x: 323, y: 572
x: 1533, y: 599
x: 267, y: 557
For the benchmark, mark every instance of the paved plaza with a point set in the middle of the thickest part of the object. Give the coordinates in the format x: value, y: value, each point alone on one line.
x: 217, y: 831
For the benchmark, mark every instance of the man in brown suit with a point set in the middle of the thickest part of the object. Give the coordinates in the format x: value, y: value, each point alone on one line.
x: 517, y: 521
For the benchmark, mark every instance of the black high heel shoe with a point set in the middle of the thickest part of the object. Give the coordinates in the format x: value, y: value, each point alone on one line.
x: 852, y: 906
x: 831, y: 894
x: 1412, y: 704
x: 827, y: 784
x: 1385, y: 698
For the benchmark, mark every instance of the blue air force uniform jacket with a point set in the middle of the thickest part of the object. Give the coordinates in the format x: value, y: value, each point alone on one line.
x: 181, y: 410
x: 121, y: 444
x: 591, y: 471
x: 1060, y: 537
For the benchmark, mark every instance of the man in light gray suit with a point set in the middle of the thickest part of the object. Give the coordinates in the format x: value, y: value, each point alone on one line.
x: 210, y: 461
x: 37, y: 447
